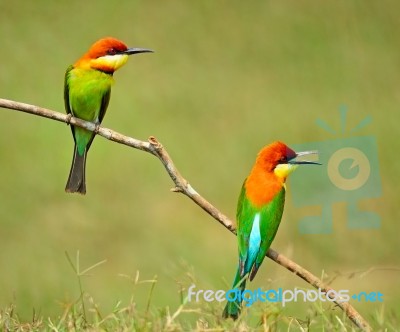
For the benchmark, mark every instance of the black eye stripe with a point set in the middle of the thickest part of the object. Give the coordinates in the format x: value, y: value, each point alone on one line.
x: 112, y: 51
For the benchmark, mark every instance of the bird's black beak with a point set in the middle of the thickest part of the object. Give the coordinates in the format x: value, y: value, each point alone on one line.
x: 136, y: 50
x: 295, y: 160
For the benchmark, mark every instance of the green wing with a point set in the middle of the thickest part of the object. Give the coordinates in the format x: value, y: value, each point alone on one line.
x: 245, y: 216
x: 66, y: 96
x: 66, y: 89
x: 104, y: 104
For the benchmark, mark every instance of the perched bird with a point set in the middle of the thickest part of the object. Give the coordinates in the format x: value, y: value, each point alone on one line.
x: 87, y: 89
x: 259, y: 212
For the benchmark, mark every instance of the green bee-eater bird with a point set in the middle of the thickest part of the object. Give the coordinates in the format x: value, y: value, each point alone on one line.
x: 87, y: 88
x: 259, y: 213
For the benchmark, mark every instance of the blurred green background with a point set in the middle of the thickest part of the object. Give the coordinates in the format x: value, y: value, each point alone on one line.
x: 227, y: 78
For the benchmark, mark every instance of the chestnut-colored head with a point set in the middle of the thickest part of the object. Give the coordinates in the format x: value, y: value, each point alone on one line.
x: 274, y: 154
x: 273, y: 165
x: 281, y: 160
x: 108, y: 55
x: 106, y: 46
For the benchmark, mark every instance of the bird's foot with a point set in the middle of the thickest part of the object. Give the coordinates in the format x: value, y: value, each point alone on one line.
x: 97, y: 128
x: 68, y: 119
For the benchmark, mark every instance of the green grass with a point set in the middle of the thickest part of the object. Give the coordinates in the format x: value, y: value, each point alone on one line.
x: 226, y: 79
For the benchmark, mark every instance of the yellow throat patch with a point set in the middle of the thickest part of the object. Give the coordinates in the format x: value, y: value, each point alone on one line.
x: 282, y: 171
x: 110, y: 62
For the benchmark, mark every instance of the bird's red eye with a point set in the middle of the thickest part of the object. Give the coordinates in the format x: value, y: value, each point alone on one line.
x: 111, y: 51
x: 283, y: 160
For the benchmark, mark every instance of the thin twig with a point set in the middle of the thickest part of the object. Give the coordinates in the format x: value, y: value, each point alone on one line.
x: 182, y: 185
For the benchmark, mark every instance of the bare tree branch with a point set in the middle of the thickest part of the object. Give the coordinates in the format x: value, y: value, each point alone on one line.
x: 182, y: 185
